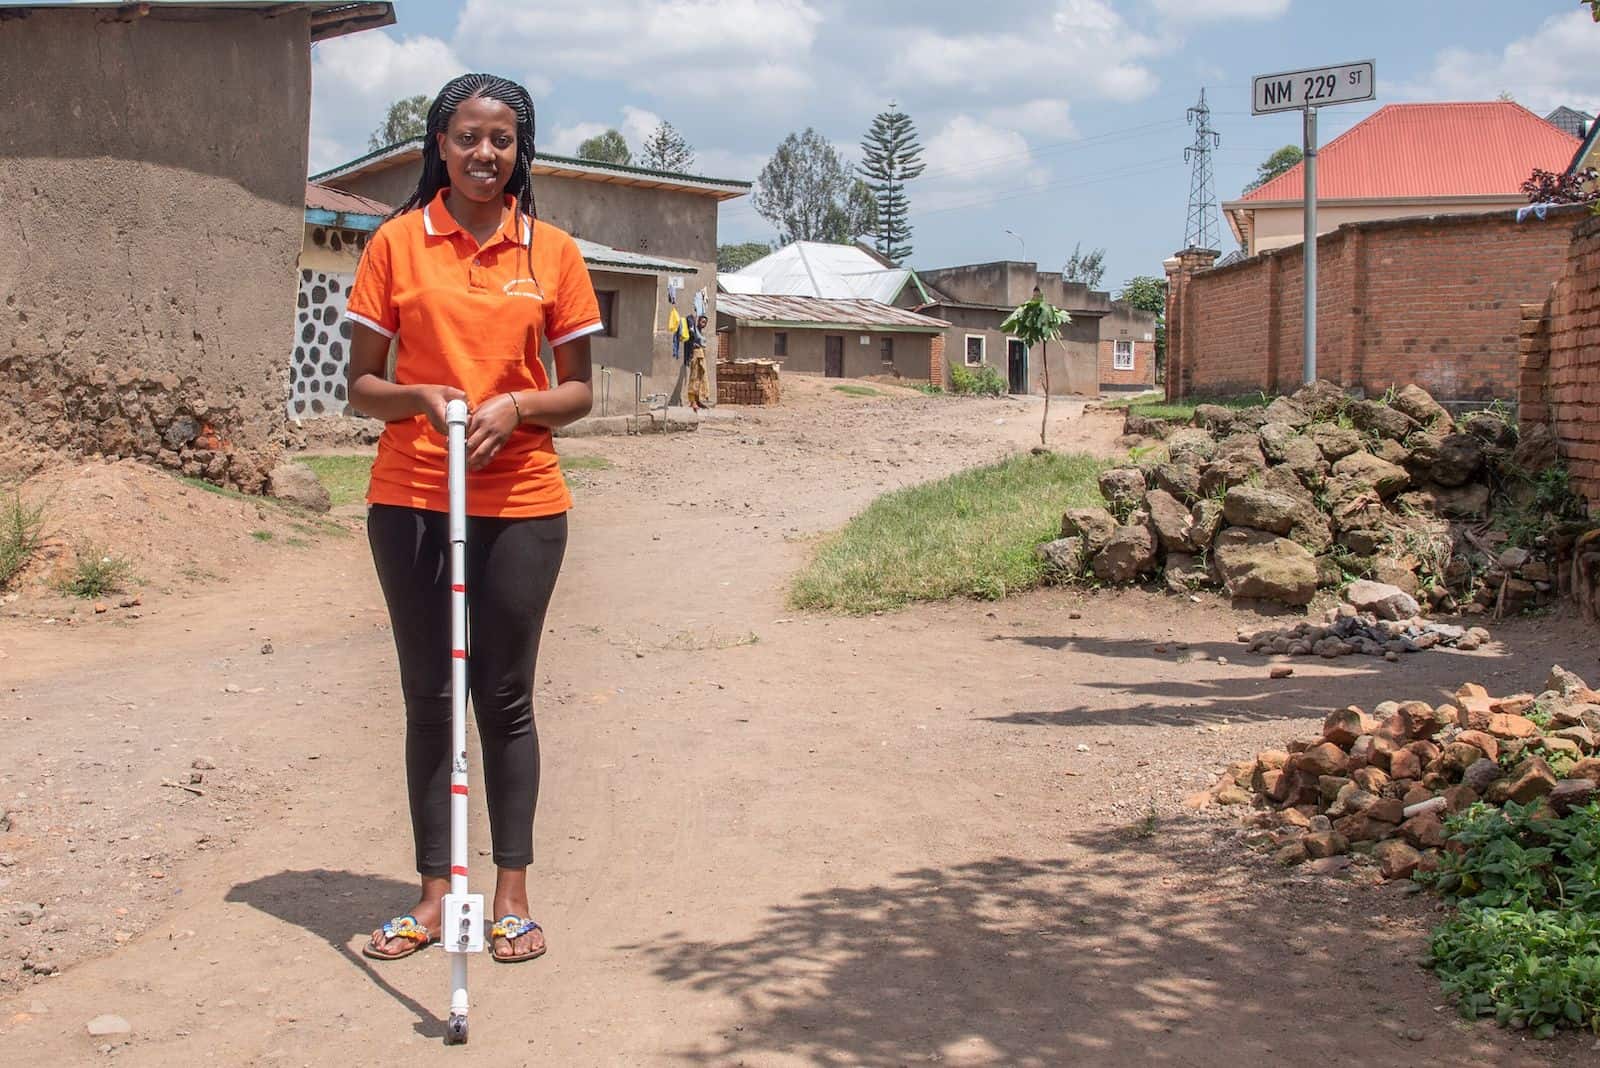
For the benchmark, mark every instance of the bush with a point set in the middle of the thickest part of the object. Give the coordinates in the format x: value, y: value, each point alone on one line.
x: 97, y: 571
x: 984, y: 382
x: 1525, y: 946
x: 21, y: 536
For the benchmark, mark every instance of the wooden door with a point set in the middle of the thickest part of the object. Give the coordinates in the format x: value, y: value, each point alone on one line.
x: 835, y: 357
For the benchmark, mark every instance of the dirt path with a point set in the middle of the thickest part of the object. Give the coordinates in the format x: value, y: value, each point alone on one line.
x: 763, y: 839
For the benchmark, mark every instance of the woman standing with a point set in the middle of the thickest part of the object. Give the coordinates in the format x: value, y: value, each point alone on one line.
x: 467, y: 282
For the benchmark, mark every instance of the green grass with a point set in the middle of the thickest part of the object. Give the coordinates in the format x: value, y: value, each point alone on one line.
x: 1155, y: 406
x: 21, y: 536
x: 344, y: 476
x: 585, y: 463
x: 858, y: 391
x: 96, y: 572
x: 261, y: 535
x: 970, y: 535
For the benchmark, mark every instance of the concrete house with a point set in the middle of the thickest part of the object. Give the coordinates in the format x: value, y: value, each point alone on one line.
x: 1108, y: 348
x: 640, y: 232
x: 153, y: 160
x: 1407, y: 160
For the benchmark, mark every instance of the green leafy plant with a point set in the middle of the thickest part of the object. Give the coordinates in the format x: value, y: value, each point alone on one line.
x: 932, y: 389
x: 97, y: 571
x: 21, y: 536
x: 983, y: 382
x: 1038, y: 322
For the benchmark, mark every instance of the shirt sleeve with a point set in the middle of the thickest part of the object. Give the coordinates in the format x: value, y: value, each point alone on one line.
x: 371, y: 298
x: 576, y: 313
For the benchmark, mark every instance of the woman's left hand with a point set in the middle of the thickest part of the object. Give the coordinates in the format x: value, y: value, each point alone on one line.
x: 488, y: 429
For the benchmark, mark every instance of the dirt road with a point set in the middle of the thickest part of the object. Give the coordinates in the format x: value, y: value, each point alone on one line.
x: 763, y: 838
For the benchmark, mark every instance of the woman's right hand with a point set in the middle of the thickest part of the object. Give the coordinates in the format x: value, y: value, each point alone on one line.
x: 433, y: 399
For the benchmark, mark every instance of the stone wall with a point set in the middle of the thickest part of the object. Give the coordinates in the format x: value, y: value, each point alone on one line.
x: 148, y: 247
x: 1433, y: 301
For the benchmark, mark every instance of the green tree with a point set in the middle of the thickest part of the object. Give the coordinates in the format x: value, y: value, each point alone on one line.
x: 1086, y: 267
x: 666, y: 150
x: 738, y: 257
x: 1149, y: 293
x: 609, y: 147
x: 856, y: 216
x: 891, y: 157
x: 406, y: 118
x: 1275, y: 164
x: 806, y: 191
x: 1038, y: 322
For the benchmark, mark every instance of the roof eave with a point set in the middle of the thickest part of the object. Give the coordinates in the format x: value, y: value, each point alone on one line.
x: 344, y: 220
x: 350, y: 18
x: 800, y: 324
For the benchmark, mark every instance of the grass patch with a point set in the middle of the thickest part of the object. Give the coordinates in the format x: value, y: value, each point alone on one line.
x: 97, y: 571
x: 1155, y: 406
x: 857, y: 391
x: 261, y: 535
x: 970, y: 535
x: 220, y: 491
x: 344, y: 476
x: 585, y: 463
x: 21, y: 536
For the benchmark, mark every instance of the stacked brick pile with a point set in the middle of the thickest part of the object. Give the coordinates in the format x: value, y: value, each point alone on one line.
x: 747, y: 382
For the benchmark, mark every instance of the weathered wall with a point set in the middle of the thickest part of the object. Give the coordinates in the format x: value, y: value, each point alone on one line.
x: 1072, y: 359
x: 663, y: 223
x: 1560, y: 381
x: 807, y: 351
x: 1435, y: 301
x: 1125, y: 323
x: 154, y: 200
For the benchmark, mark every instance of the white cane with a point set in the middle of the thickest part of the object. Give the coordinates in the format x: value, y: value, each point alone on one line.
x: 462, y: 931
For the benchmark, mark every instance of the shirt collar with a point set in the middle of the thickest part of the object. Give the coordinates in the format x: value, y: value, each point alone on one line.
x: 438, y: 222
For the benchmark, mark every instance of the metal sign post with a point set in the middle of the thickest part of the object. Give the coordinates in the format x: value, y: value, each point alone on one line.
x: 1306, y: 91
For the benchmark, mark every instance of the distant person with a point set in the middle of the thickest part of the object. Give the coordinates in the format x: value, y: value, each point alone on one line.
x: 699, y: 389
x: 466, y: 280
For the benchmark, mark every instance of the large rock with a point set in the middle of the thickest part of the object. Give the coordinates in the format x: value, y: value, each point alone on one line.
x: 1311, y: 528
x: 1378, y: 418
x: 1536, y: 449
x: 1321, y: 400
x: 1532, y: 779
x: 1382, y: 600
x: 1094, y: 525
x: 1063, y: 556
x: 1172, y: 521
x: 1569, y: 794
x: 1457, y: 460
x: 1207, y: 521
x: 1284, y: 410
x: 295, y: 482
x: 1213, y: 416
x: 1491, y: 428
x: 1123, y: 487
x: 1260, y: 509
x: 1185, y: 573
x: 1302, y: 456
x: 1275, y: 438
x: 1181, y: 480
x: 1365, y: 469
x: 1418, y: 404
x: 1335, y: 442
x: 1463, y: 502
x: 1191, y: 445
x: 1145, y: 427
x: 1130, y: 553
x: 1256, y: 564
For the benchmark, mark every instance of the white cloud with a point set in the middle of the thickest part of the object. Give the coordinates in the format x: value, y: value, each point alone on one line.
x: 1073, y: 53
x: 1208, y: 10
x: 970, y: 162
x: 635, y: 125
x: 758, y: 46
x: 1051, y: 118
x: 354, y: 79
x: 1552, y: 66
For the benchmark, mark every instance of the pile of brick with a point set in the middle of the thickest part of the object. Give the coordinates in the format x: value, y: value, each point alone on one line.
x: 747, y: 382
x: 1380, y: 785
x: 1319, y: 488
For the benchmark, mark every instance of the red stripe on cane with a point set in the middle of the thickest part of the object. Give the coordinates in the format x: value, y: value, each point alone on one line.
x: 460, y: 587
x: 457, y: 869
x: 462, y: 790
x: 459, y: 654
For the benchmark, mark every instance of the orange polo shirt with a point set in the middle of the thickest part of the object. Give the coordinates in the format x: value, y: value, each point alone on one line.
x: 471, y: 317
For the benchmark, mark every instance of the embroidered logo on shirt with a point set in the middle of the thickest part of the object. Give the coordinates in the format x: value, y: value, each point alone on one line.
x: 524, y: 287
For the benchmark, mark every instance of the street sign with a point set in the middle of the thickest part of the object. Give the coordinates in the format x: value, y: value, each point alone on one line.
x: 1316, y: 88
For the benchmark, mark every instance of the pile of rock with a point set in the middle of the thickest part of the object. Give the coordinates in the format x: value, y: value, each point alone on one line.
x: 1382, y: 784
x: 1272, y: 503
x: 1390, y: 631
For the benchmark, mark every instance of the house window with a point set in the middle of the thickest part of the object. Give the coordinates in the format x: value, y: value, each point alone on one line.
x: 780, y: 344
x: 608, y: 311
x: 1122, y: 356
x: 888, y: 350
x: 975, y: 346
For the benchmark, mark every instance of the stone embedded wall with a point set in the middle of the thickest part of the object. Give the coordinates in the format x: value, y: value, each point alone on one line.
x: 1433, y: 301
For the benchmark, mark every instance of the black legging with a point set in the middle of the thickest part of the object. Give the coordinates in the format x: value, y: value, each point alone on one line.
x: 512, y: 566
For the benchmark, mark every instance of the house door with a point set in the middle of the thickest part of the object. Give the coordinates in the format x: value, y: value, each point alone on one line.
x: 1017, y: 363
x: 835, y: 357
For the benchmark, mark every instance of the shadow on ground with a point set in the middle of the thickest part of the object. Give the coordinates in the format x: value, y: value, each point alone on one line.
x: 1122, y: 951
x: 335, y: 906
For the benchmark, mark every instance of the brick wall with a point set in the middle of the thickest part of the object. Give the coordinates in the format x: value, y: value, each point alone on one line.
x: 936, y: 361
x: 1560, y: 342
x: 1143, y: 375
x: 1433, y: 300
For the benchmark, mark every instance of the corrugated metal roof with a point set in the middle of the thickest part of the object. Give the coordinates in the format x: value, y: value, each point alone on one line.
x: 329, y: 18
x: 1429, y: 150
x: 818, y: 311
x: 597, y: 255
x: 818, y: 269
x: 1570, y: 120
x: 323, y: 198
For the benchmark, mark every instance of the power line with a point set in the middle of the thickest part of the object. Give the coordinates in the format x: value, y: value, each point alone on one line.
x: 1201, y: 230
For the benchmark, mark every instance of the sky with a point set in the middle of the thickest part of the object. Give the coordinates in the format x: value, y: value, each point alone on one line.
x: 1046, y: 124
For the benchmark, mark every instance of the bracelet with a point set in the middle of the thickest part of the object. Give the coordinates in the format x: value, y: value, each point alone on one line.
x: 516, y: 407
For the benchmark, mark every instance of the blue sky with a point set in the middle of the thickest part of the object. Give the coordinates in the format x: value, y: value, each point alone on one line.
x: 1059, y: 120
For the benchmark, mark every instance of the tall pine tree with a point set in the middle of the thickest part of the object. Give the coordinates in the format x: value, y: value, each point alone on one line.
x: 891, y: 157
x: 666, y: 150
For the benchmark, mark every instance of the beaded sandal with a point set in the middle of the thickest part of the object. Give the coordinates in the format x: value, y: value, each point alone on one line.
x: 405, y: 927
x: 512, y: 927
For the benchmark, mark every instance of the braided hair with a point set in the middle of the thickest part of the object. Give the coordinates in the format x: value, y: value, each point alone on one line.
x: 456, y: 92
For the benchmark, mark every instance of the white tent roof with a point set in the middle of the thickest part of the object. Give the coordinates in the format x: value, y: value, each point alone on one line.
x: 815, y: 269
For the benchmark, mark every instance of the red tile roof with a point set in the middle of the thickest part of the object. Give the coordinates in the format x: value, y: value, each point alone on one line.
x: 1430, y: 150
x: 329, y: 199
